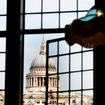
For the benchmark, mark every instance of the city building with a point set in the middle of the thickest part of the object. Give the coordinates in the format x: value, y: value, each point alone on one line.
x: 36, y: 85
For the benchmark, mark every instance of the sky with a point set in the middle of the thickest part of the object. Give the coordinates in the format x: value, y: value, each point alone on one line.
x: 33, y: 42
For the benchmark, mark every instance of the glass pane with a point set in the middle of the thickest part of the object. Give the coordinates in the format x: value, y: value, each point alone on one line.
x: 81, y: 14
x: 75, y: 97
x: 2, y: 80
x: 85, y: 4
x: 75, y: 48
x: 53, y: 48
x: 3, y: 6
x: 84, y: 49
x: 63, y: 47
x: 75, y: 62
x: 50, y: 5
x: 88, y: 79
x: 50, y: 20
x: 67, y: 5
x: 52, y: 83
x: 88, y: 97
x: 52, y: 99
x: 2, y: 44
x: 75, y: 81
x: 33, y: 21
x: 32, y: 6
x: 52, y: 65
x: 2, y: 62
x: 63, y: 98
x: 88, y: 60
x: 2, y: 23
x: 64, y: 63
x: 66, y: 18
x: 2, y: 97
x: 64, y: 82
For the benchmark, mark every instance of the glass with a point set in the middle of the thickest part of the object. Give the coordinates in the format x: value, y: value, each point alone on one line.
x: 75, y: 62
x: 2, y: 62
x: 64, y: 63
x: 52, y: 98
x: 2, y: 23
x: 88, y: 97
x: 66, y: 18
x: 50, y: 5
x: 75, y: 97
x: 32, y: 6
x: 50, y: 20
x: 63, y: 98
x: 75, y: 48
x: 75, y: 81
x: 53, y: 48
x: 3, y: 6
x: 63, y: 82
x: 88, y: 60
x: 2, y: 97
x: 53, y: 65
x: 2, y: 44
x: 52, y: 83
x: 33, y: 21
x: 87, y: 79
x: 2, y: 80
x: 67, y: 5
x: 84, y: 49
x: 85, y: 4
x: 81, y: 14
x: 63, y: 47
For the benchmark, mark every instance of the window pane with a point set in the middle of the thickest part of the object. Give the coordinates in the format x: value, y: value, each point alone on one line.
x: 64, y: 63
x: 2, y: 80
x: 50, y: 5
x: 64, y: 82
x: 75, y: 81
x: 33, y: 6
x: 2, y: 23
x: 50, y: 20
x: 3, y: 6
x: 68, y: 5
x: 2, y: 62
x: 66, y: 18
x: 53, y: 48
x: 88, y: 60
x: 33, y: 21
x: 88, y: 79
x: 75, y: 48
x: 63, y: 47
x: 88, y: 97
x: 52, y: 83
x: 85, y: 4
x: 75, y: 62
x: 2, y: 44
x: 81, y: 14
x: 52, y: 62
x: 2, y: 97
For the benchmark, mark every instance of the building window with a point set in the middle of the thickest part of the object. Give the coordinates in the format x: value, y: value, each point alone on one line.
x: 38, y: 102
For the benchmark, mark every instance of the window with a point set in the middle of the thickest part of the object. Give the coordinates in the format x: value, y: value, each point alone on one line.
x: 38, y: 102
x: 50, y: 18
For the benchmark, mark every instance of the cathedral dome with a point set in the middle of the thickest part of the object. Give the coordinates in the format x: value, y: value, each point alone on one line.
x: 40, y: 61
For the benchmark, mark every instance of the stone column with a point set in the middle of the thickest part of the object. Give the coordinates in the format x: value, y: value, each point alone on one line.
x: 28, y: 81
x: 43, y: 81
x: 36, y: 81
x: 52, y: 82
x: 39, y: 81
x: 31, y: 81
